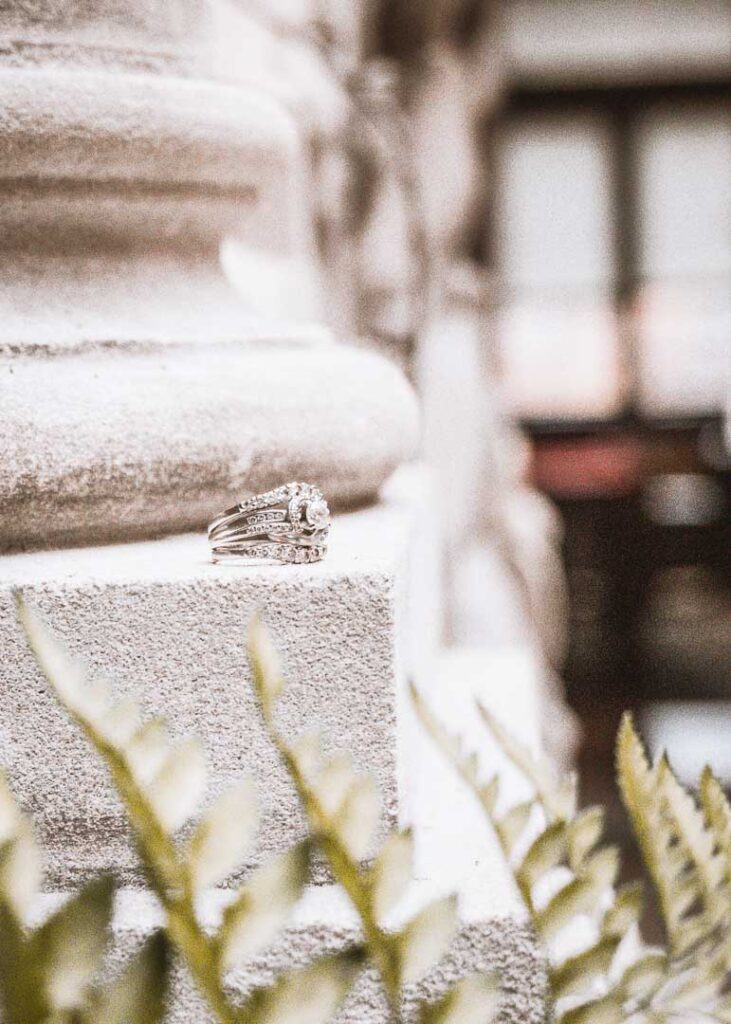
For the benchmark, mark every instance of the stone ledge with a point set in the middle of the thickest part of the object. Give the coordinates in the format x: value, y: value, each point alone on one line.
x: 454, y: 842
x: 159, y: 619
x: 154, y: 129
x: 109, y: 445
x: 455, y: 852
x: 139, y: 35
x: 323, y: 923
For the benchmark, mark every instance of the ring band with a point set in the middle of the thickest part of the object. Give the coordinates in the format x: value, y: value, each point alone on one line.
x: 289, y: 524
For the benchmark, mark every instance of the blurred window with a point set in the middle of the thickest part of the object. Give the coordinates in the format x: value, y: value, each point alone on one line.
x: 558, y: 324
x: 612, y: 233
x: 684, y: 308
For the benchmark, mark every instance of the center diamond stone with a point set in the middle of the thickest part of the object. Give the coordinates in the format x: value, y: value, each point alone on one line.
x: 317, y: 513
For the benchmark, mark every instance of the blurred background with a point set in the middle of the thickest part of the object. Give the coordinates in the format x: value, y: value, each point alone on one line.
x: 610, y: 242
x: 528, y: 205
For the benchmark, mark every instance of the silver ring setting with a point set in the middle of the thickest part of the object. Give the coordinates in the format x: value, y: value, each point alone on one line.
x: 290, y: 524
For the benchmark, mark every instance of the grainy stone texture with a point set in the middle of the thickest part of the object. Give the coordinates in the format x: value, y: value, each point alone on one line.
x: 111, y: 445
x: 157, y: 618
x: 139, y: 394
x: 159, y: 35
x: 456, y: 852
x: 323, y: 923
x: 160, y: 620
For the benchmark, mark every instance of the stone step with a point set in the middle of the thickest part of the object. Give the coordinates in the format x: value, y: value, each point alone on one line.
x: 158, y: 619
x: 324, y: 923
x: 134, y: 441
x: 453, y: 842
x: 455, y: 852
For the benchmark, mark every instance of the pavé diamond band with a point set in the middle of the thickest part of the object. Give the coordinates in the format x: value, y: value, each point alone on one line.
x: 289, y: 524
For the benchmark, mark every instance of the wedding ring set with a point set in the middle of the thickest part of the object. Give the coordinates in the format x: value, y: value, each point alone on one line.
x: 289, y: 524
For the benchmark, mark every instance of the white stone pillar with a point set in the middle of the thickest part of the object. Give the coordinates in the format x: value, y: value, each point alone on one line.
x: 138, y: 393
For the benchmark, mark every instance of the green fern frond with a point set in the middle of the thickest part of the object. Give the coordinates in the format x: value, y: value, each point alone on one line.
x: 307, y: 995
x: 558, y: 798
x: 20, y: 862
x: 391, y: 872
x: 639, y: 785
x: 703, y: 874
x: 581, y: 895
x: 583, y: 833
x: 567, y: 843
x: 474, y: 1000
x: 579, y: 971
x: 626, y: 910
x: 464, y: 763
x: 160, y: 785
x: 262, y: 906
x: 607, y: 1010
x: 139, y: 994
x: 682, y: 849
x: 718, y: 815
x: 340, y: 808
x: 322, y: 804
x: 686, y: 852
x: 50, y: 973
x: 547, y: 851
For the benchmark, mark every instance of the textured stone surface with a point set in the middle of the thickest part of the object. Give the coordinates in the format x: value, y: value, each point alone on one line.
x: 133, y: 166
x: 368, y: 605
x: 158, y: 35
x: 158, y: 619
x: 324, y: 923
x: 136, y: 393
x: 117, y: 444
x: 456, y: 852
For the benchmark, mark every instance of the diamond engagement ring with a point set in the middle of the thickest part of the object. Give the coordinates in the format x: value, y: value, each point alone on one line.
x: 288, y: 524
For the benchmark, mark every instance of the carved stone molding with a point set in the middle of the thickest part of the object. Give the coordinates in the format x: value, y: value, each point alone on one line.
x: 138, y: 393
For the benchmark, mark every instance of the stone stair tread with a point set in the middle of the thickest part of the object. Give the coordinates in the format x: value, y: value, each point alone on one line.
x: 455, y: 852
x: 112, y: 444
x: 355, y: 547
x: 324, y: 922
x: 157, y: 619
x: 455, y: 845
x: 137, y: 911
